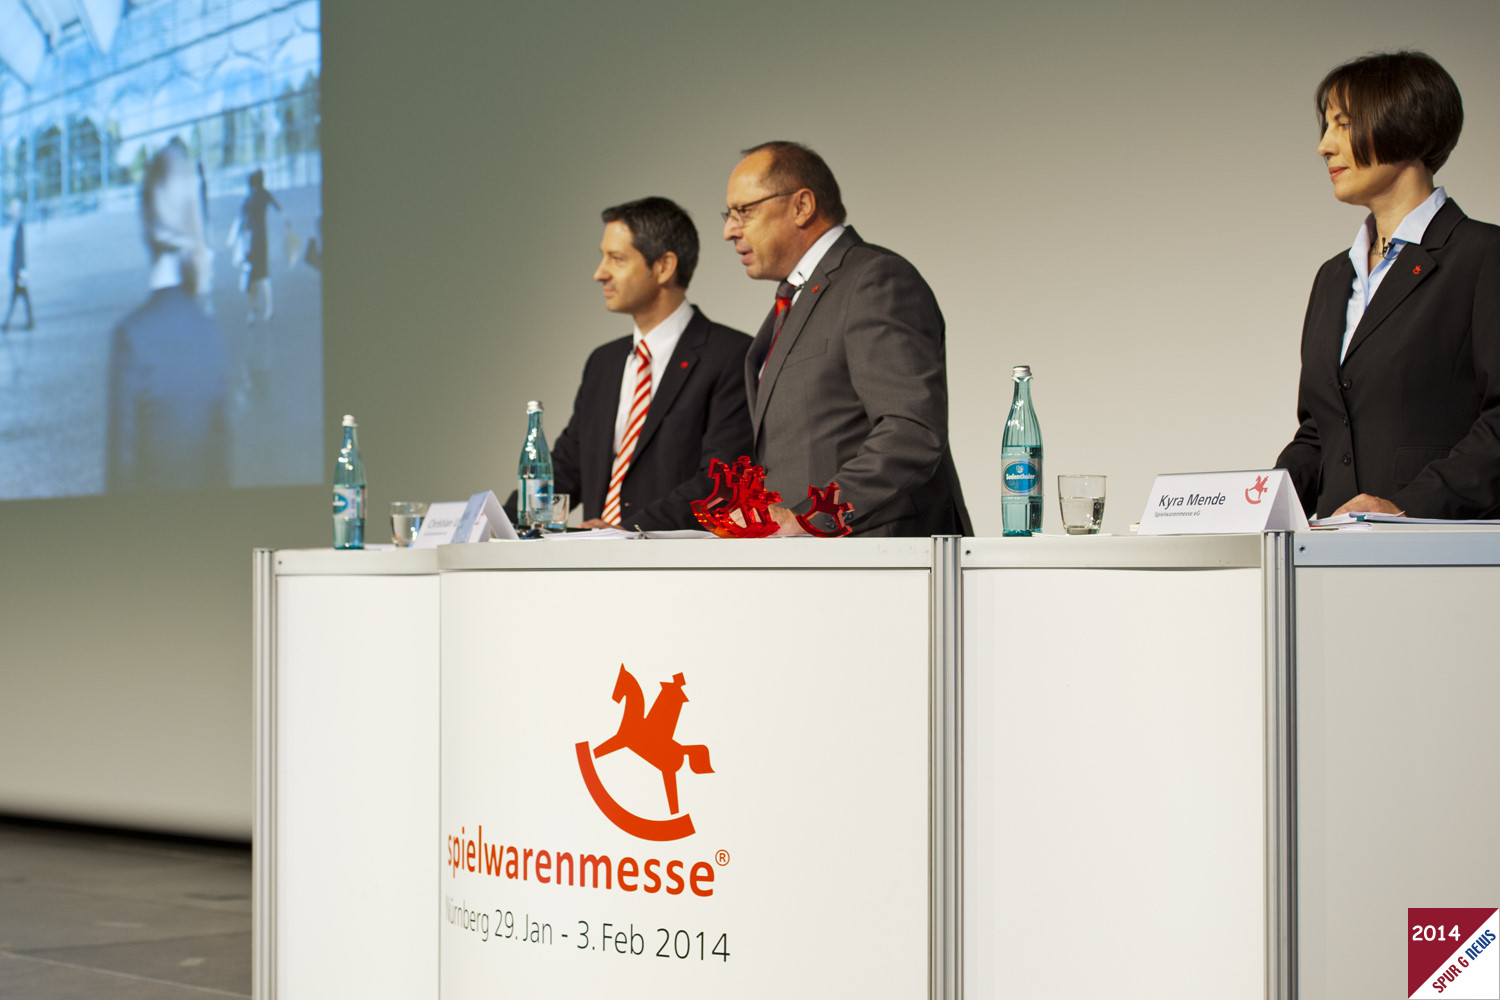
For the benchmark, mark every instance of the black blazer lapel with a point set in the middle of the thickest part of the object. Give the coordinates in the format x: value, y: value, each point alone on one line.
x: 1326, y: 328
x: 796, y: 319
x: 598, y: 436
x: 684, y: 358
x: 1413, y: 266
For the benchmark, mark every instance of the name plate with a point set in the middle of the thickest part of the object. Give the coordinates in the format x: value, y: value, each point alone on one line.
x: 455, y: 522
x: 440, y: 525
x: 483, y: 519
x: 1222, y: 503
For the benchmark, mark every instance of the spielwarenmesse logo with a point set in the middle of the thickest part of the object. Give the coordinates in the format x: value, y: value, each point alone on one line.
x: 651, y: 737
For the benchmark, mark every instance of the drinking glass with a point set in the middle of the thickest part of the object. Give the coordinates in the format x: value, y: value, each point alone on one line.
x: 406, y: 521
x: 1082, y: 502
x: 550, y: 513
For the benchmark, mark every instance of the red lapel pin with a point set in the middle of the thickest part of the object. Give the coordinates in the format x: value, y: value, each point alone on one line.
x: 1417, y: 269
x: 684, y: 364
x: 816, y: 287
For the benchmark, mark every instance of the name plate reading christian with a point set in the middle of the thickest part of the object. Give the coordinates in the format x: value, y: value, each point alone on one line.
x: 1222, y: 503
x: 439, y: 525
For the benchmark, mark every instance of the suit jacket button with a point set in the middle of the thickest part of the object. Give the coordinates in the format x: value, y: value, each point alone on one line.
x: 1346, y: 421
x: 1347, y: 459
x: 1346, y: 383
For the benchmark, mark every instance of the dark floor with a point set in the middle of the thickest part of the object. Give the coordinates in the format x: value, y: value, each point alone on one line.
x: 112, y: 916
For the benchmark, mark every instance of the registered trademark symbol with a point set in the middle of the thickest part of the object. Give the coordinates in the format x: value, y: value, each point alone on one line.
x: 722, y: 858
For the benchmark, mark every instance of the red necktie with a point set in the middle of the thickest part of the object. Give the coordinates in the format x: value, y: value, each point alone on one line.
x: 639, y: 404
x: 784, y: 293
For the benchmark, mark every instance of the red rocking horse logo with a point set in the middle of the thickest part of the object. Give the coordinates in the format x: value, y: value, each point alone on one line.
x: 1259, y: 489
x: 650, y: 736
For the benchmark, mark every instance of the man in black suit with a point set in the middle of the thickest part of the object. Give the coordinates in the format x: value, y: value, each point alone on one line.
x: 847, y: 378
x: 654, y: 407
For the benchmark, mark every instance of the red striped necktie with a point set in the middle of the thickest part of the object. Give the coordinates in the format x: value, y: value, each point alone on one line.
x: 639, y: 404
x: 784, y: 293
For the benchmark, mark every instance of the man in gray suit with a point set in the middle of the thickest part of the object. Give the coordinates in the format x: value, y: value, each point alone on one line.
x: 847, y: 377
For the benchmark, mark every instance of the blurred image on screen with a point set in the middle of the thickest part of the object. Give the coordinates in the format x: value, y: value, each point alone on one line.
x: 161, y: 243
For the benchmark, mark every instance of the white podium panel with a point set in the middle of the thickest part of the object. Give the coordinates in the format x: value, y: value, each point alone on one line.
x: 787, y: 709
x: 356, y: 792
x: 1398, y: 802
x: 665, y: 769
x: 1114, y: 774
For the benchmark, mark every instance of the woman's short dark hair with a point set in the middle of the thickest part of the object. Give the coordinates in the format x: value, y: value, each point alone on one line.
x: 1401, y: 106
x: 794, y: 167
x: 659, y: 225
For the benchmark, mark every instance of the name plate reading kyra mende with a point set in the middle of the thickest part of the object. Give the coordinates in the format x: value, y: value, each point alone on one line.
x: 1222, y: 503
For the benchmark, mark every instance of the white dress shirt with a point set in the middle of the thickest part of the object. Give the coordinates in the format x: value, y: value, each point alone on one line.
x: 661, y: 341
x: 810, y: 260
x: 804, y: 269
x: 1366, y: 282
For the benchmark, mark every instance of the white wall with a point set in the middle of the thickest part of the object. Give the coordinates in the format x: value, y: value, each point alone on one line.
x: 1125, y: 197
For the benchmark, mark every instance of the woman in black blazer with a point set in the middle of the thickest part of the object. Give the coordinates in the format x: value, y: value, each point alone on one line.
x: 1399, y: 398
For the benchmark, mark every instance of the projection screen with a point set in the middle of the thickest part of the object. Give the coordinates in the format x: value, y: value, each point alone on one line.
x: 161, y: 210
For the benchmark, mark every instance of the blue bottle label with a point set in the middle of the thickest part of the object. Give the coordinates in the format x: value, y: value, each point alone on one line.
x: 348, y: 502
x: 1022, y: 478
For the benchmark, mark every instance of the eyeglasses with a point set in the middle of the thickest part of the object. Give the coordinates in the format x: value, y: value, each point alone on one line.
x: 738, y: 212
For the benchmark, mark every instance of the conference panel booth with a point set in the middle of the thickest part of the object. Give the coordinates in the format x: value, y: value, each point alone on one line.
x: 1044, y: 767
